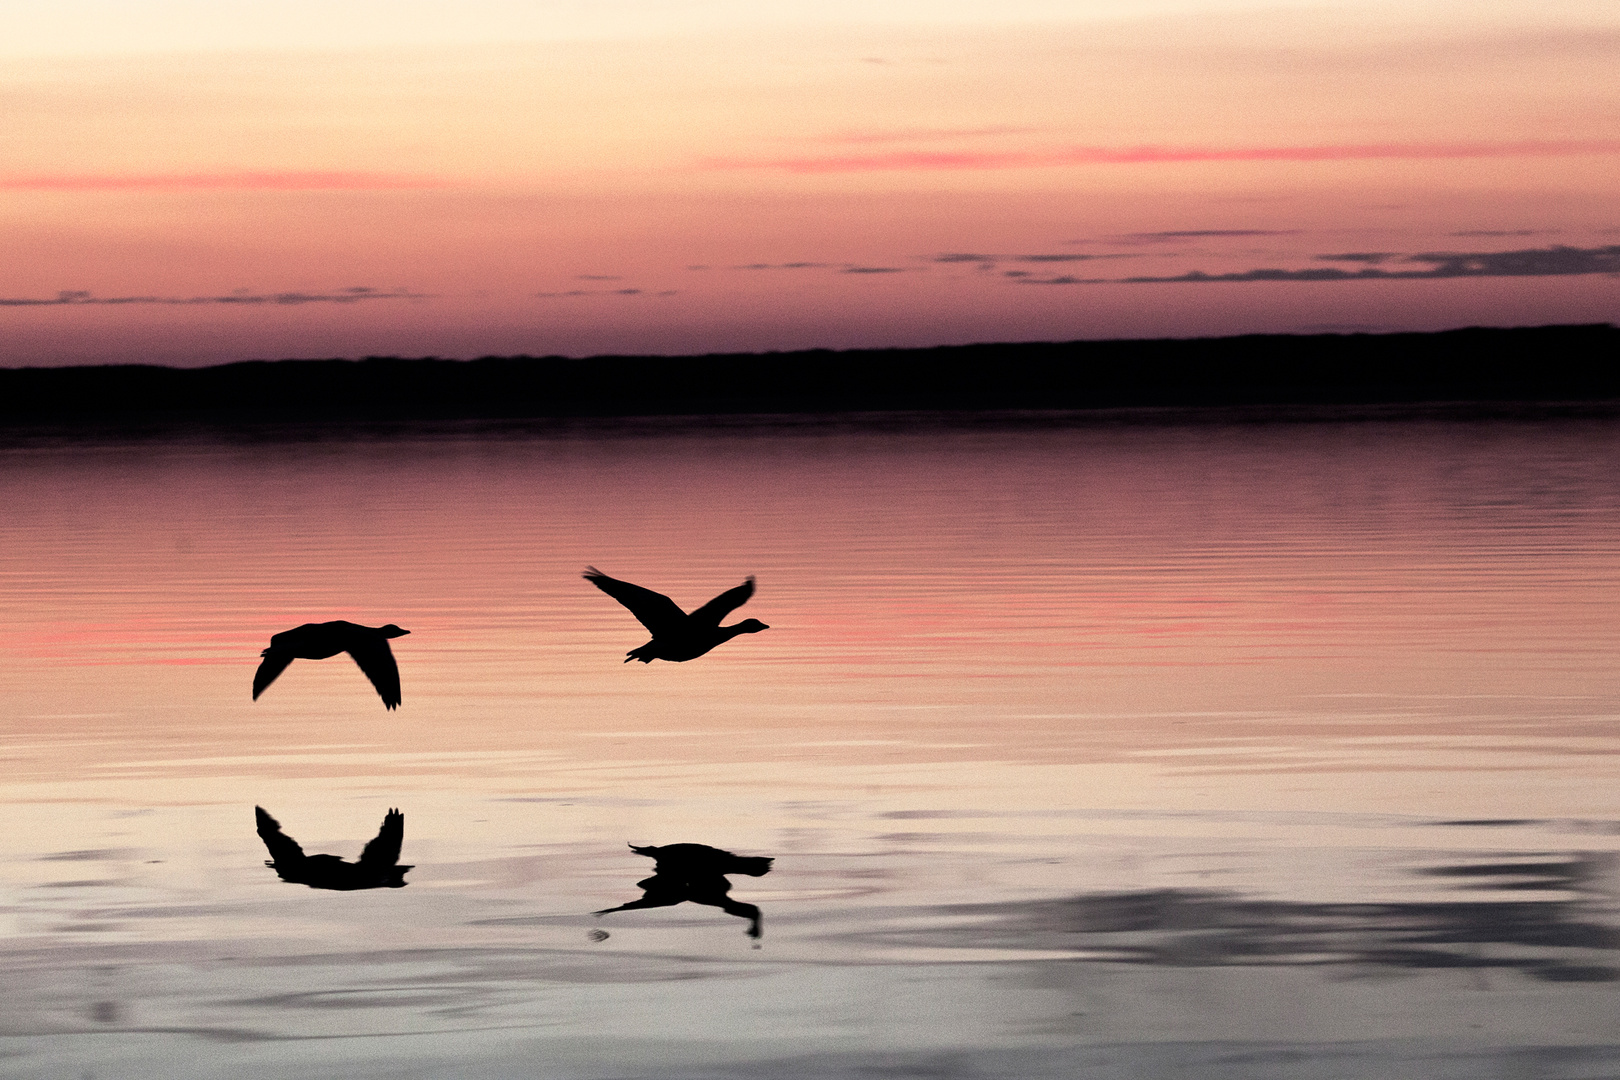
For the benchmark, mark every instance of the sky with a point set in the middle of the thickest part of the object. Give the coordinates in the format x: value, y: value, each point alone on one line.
x: 201, y: 182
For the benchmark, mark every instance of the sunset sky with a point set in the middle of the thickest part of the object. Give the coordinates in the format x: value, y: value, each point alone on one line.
x: 198, y: 181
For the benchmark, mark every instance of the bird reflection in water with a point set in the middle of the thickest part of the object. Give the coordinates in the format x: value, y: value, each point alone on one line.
x: 377, y: 868
x: 696, y: 872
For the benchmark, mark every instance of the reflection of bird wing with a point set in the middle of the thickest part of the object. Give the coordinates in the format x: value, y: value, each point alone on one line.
x: 384, y: 850
x: 376, y: 659
x: 657, y: 612
x: 283, y: 848
x: 711, y: 613
x: 274, y: 663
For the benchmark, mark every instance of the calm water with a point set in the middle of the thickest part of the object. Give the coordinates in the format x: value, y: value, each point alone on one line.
x: 1219, y: 751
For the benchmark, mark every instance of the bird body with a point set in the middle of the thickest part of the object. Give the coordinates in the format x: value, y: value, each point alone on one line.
x: 377, y: 868
x: 366, y: 645
x: 676, y: 635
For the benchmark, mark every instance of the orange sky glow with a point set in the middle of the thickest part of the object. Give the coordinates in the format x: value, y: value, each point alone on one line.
x: 197, y: 183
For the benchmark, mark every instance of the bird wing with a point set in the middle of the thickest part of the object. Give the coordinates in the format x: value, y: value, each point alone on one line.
x: 657, y: 612
x: 376, y: 659
x: 383, y: 851
x: 283, y: 848
x: 711, y: 613
x: 274, y: 663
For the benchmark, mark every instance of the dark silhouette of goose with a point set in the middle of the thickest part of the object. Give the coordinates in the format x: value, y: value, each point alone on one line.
x: 676, y: 635
x: 378, y: 867
x: 696, y: 872
x: 366, y: 645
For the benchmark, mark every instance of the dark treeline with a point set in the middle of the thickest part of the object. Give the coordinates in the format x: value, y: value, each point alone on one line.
x: 1537, y: 364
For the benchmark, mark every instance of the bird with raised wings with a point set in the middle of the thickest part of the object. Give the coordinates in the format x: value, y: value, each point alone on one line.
x: 377, y: 868
x: 677, y: 635
x: 366, y: 646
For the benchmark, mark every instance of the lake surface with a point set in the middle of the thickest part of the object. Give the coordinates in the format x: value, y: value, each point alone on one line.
x: 1104, y: 750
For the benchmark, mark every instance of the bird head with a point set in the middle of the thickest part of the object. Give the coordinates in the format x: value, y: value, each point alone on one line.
x: 393, y: 631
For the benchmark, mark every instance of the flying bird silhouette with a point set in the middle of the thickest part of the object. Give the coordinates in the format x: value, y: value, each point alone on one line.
x: 366, y: 645
x: 377, y: 868
x: 676, y: 635
x: 696, y: 872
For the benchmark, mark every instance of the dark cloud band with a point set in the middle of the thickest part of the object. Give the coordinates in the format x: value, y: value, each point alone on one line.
x: 1558, y: 261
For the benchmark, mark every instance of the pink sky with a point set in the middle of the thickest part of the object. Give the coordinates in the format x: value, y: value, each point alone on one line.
x: 188, y: 183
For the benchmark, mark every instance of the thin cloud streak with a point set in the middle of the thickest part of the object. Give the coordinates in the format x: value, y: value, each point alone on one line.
x: 1195, y: 234
x: 986, y: 261
x: 602, y: 292
x: 1371, y: 258
x: 1149, y: 155
x: 1531, y: 262
x: 787, y: 266
x: 76, y: 298
x: 222, y: 181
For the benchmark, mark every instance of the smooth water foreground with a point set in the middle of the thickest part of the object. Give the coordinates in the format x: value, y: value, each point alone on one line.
x: 1104, y: 751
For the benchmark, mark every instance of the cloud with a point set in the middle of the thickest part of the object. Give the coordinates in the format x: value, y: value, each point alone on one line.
x: 222, y: 181
x: 1270, y: 275
x: 1503, y: 232
x: 1557, y: 261
x: 1372, y: 258
x: 789, y: 266
x: 75, y: 298
x: 1024, y: 278
x: 598, y: 277
x: 842, y: 268
x: 1531, y: 262
x: 924, y: 160
x: 602, y: 292
x: 1195, y: 234
x: 988, y: 262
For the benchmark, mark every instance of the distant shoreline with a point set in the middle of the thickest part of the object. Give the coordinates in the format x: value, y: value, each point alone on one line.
x: 1257, y: 375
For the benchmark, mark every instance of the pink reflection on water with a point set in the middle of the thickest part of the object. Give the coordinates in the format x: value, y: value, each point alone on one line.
x: 1113, y: 571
